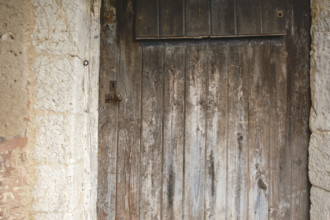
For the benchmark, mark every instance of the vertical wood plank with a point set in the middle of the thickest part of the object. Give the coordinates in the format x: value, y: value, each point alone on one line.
x: 146, y: 19
x: 129, y: 117
x: 299, y: 103
x: 109, y: 67
x: 259, y: 130
x: 174, y: 81
x: 197, y: 18
x: 195, y: 130
x: 223, y: 18
x: 279, y: 195
x: 171, y: 18
x: 273, y: 16
x: 216, y: 163
x: 248, y: 16
x: 237, y: 140
x: 151, y: 144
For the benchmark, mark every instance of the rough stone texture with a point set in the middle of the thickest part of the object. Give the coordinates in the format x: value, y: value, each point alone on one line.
x: 65, y: 33
x: 320, y: 65
x: 319, y: 160
x: 319, y: 149
x: 49, y: 108
x: 320, y: 209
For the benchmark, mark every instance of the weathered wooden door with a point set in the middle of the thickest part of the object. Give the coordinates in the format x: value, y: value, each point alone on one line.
x: 207, y: 128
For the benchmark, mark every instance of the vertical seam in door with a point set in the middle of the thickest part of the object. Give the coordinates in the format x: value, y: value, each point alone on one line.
x: 235, y: 17
x: 184, y: 127
x: 249, y: 129
x: 210, y: 18
x: 261, y: 14
x: 184, y: 21
x: 141, y: 127
x: 206, y: 124
x: 163, y: 120
x: 269, y: 130
x: 158, y: 19
x: 117, y: 144
x: 227, y: 83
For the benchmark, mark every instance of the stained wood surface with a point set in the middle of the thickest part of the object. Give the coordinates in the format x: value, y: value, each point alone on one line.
x: 207, y: 129
x: 195, y: 130
x: 173, y: 133
x: 171, y: 19
x: 197, y: 18
x: 223, y: 18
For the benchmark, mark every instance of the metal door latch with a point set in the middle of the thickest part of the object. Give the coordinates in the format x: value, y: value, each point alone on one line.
x: 113, y: 96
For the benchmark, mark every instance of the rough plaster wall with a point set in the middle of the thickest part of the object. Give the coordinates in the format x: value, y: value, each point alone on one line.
x: 319, y: 150
x: 16, y: 165
x: 48, y: 110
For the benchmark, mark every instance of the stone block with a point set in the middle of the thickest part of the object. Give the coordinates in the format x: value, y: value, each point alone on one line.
x: 52, y: 32
x: 56, y: 83
x: 58, y: 188
x: 58, y: 139
x: 320, y: 206
x: 319, y: 160
x: 320, y: 66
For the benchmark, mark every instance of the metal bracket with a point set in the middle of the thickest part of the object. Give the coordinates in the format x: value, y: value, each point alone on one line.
x: 113, y: 96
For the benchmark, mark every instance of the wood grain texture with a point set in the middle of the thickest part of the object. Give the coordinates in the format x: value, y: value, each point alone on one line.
x: 273, y: 16
x: 197, y: 18
x: 278, y: 196
x: 298, y: 47
x: 171, y: 18
x: 259, y: 130
x: 195, y: 130
x: 207, y: 129
x: 216, y: 153
x: 237, y: 139
x: 129, y: 118
x: 248, y: 17
x: 223, y: 18
x: 173, y: 153
x: 152, y: 143
x: 108, y: 114
x: 146, y: 19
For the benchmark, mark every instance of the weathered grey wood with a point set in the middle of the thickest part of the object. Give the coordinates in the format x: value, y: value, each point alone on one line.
x: 108, y: 114
x: 248, y: 16
x: 217, y: 114
x: 278, y: 198
x: 237, y: 139
x: 223, y: 18
x: 224, y: 125
x: 146, y: 19
x: 152, y: 143
x: 197, y: 18
x: 129, y: 118
x: 195, y: 130
x: 299, y: 99
x: 273, y: 16
x: 259, y: 106
x: 171, y: 18
x: 174, y: 81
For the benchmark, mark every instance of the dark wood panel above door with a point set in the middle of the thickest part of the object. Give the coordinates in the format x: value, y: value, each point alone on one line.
x: 171, y: 19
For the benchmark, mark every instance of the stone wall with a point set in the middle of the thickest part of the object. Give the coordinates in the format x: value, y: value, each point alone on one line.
x: 49, y: 108
x: 319, y: 150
